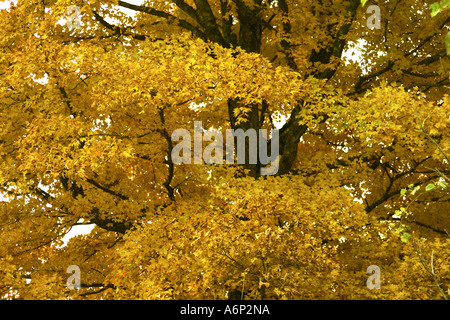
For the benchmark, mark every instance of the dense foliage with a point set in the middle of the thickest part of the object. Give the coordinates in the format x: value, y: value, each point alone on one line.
x: 86, y: 117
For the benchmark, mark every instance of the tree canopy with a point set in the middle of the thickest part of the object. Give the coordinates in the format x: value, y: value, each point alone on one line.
x: 87, y: 112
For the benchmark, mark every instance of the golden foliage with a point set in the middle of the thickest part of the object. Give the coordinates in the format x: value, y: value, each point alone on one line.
x: 86, y: 117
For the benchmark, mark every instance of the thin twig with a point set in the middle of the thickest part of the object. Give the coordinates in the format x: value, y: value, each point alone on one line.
x: 427, y: 268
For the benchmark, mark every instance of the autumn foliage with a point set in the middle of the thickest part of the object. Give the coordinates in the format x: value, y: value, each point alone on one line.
x: 86, y: 117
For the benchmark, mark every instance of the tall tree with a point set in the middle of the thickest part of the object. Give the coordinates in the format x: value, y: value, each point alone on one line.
x: 87, y: 112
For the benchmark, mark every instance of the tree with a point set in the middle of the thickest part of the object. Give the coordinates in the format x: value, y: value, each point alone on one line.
x: 87, y: 116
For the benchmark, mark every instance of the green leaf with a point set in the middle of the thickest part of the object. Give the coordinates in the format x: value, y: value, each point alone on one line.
x: 443, y: 184
x: 397, y: 214
x: 435, y: 9
x: 429, y: 187
x: 399, y: 230
x: 402, y: 192
x: 363, y: 2
x: 445, y: 4
x: 405, y: 236
x: 415, y: 190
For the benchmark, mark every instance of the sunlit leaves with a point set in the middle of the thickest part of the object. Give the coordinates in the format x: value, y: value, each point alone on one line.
x: 84, y: 120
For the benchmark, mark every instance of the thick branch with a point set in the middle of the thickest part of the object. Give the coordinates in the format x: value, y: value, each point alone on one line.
x: 206, y: 19
x: 162, y: 14
x: 165, y: 134
x: 287, y: 31
x: 335, y: 49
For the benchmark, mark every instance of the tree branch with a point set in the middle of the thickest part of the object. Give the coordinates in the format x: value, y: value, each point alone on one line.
x: 169, y: 17
x: 166, y: 136
x: 430, y: 270
x: 206, y: 18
